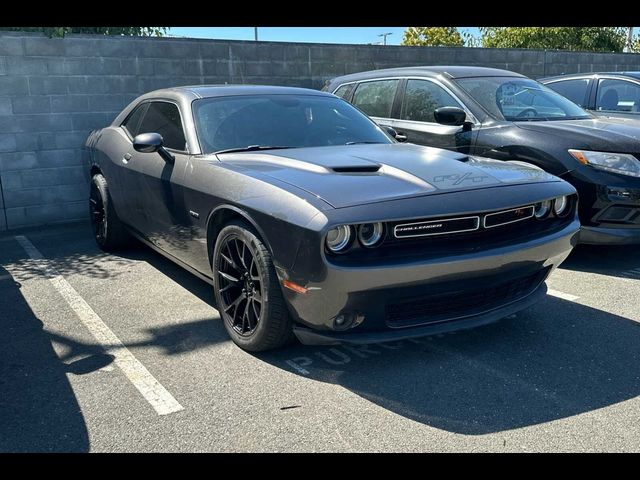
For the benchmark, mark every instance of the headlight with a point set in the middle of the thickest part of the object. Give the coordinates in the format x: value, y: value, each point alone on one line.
x: 542, y: 209
x: 339, y: 238
x: 370, y: 234
x: 623, y: 163
x: 561, y: 206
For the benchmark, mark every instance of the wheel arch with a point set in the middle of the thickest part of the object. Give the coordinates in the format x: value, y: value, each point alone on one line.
x: 222, y: 215
x: 550, y: 161
x: 95, y: 170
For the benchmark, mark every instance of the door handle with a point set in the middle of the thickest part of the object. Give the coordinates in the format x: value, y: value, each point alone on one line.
x: 126, y: 157
x: 401, y: 137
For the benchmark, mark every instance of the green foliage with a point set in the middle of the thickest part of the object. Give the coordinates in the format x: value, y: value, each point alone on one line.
x: 593, y: 39
x: 62, y: 31
x: 433, y: 37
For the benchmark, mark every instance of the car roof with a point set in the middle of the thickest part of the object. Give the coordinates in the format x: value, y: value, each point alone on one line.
x: 430, y: 71
x: 635, y: 75
x: 209, y: 91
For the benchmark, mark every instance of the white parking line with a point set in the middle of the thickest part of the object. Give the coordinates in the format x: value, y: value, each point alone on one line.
x: 159, y: 398
x: 562, y: 295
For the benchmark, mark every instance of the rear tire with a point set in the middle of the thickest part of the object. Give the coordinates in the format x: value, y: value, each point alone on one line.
x: 109, y: 232
x: 247, y: 291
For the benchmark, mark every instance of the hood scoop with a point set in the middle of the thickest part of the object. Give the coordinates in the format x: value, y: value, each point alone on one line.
x: 356, y: 169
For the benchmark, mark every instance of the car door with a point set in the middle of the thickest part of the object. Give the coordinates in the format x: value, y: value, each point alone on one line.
x: 575, y: 89
x: 127, y: 172
x: 166, y: 221
x: 416, y: 120
x: 618, y: 97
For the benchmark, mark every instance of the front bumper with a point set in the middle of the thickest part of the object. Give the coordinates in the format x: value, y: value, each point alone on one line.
x: 369, y: 291
x: 609, y: 236
x: 609, y: 206
x: 313, y: 337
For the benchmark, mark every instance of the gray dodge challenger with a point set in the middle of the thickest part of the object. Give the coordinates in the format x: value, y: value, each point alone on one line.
x: 310, y: 220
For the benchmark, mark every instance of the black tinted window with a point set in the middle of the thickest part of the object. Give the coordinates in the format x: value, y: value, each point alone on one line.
x: 132, y: 122
x: 422, y: 98
x: 618, y: 96
x: 376, y: 98
x: 574, y: 90
x: 164, y: 118
x: 282, y: 121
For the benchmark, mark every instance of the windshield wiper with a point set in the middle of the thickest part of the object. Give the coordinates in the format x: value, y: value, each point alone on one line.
x: 251, y: 148
x: 360, y: 143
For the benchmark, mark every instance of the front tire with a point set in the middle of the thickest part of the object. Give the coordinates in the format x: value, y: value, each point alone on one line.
x: 247, y: 291
x: 109, y: 232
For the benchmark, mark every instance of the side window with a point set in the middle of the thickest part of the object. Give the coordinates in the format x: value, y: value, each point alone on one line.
x: 343, y: 90
x: 132, y: 122
x: 376, y: 98
x: 422, y: 98
x: 574, y: 90
x: 618, y: 95
x: 164, y: 118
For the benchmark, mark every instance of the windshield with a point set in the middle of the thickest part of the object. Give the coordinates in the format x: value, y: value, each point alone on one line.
x: 520, y: 99
x: 238, y: 122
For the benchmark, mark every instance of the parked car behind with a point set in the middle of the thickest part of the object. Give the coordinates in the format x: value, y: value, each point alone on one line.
x: 610, y: 94
x: 507, y: 116
x: 308, y: 218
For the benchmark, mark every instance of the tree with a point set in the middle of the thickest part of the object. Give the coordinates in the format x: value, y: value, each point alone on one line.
x: 62, y: 31
x: 433, y: 37
x: 594, y: 39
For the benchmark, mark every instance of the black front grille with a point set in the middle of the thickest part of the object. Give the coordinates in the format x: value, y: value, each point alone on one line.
x: 436, y: 227
x: 461, y: 303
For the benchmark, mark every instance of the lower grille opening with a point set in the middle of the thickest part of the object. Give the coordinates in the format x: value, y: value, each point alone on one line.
x: 620, y: 214
x: 457, y: 304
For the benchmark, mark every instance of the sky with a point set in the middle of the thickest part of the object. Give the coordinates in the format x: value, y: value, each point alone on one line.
x: 362, y: 35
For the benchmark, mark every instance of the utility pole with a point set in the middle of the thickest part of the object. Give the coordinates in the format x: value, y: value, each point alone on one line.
x: 629, y: 44
x: 384, y: 37
x: 255, y: 33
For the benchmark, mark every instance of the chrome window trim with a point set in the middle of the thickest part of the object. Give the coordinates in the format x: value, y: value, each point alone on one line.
x: 470, y: 115
x: 484, y: 220
x: 474, y: 217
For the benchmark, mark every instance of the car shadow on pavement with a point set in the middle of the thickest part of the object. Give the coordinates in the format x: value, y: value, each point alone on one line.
x: 556, y: 360
x: 38, y: 408
x: 618, y: 261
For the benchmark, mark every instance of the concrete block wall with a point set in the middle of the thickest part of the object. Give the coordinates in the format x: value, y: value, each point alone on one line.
x: 54, y: 91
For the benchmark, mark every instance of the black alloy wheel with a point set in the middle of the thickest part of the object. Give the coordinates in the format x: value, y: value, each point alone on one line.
x: 241, y: 285
x: 109, y: 232
x: 97, y: 214
x: 248, y: 293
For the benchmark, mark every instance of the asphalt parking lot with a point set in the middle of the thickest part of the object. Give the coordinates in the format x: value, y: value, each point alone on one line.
x: 125, y: 353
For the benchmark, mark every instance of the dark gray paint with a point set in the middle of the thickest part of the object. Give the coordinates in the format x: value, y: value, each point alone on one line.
x: 293, y: 197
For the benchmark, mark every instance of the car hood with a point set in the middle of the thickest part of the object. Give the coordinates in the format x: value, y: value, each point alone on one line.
x: 349, y: 175
x: 606, y: 134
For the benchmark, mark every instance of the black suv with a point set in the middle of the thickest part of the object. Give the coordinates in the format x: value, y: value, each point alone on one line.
x: 507, y: 116
x: 612, y: 95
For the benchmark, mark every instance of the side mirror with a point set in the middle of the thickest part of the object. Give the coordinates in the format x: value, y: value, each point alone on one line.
x: 147, y: 142
x: 150, y: 143
x: 392, y: 131
x: 452, y: 116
